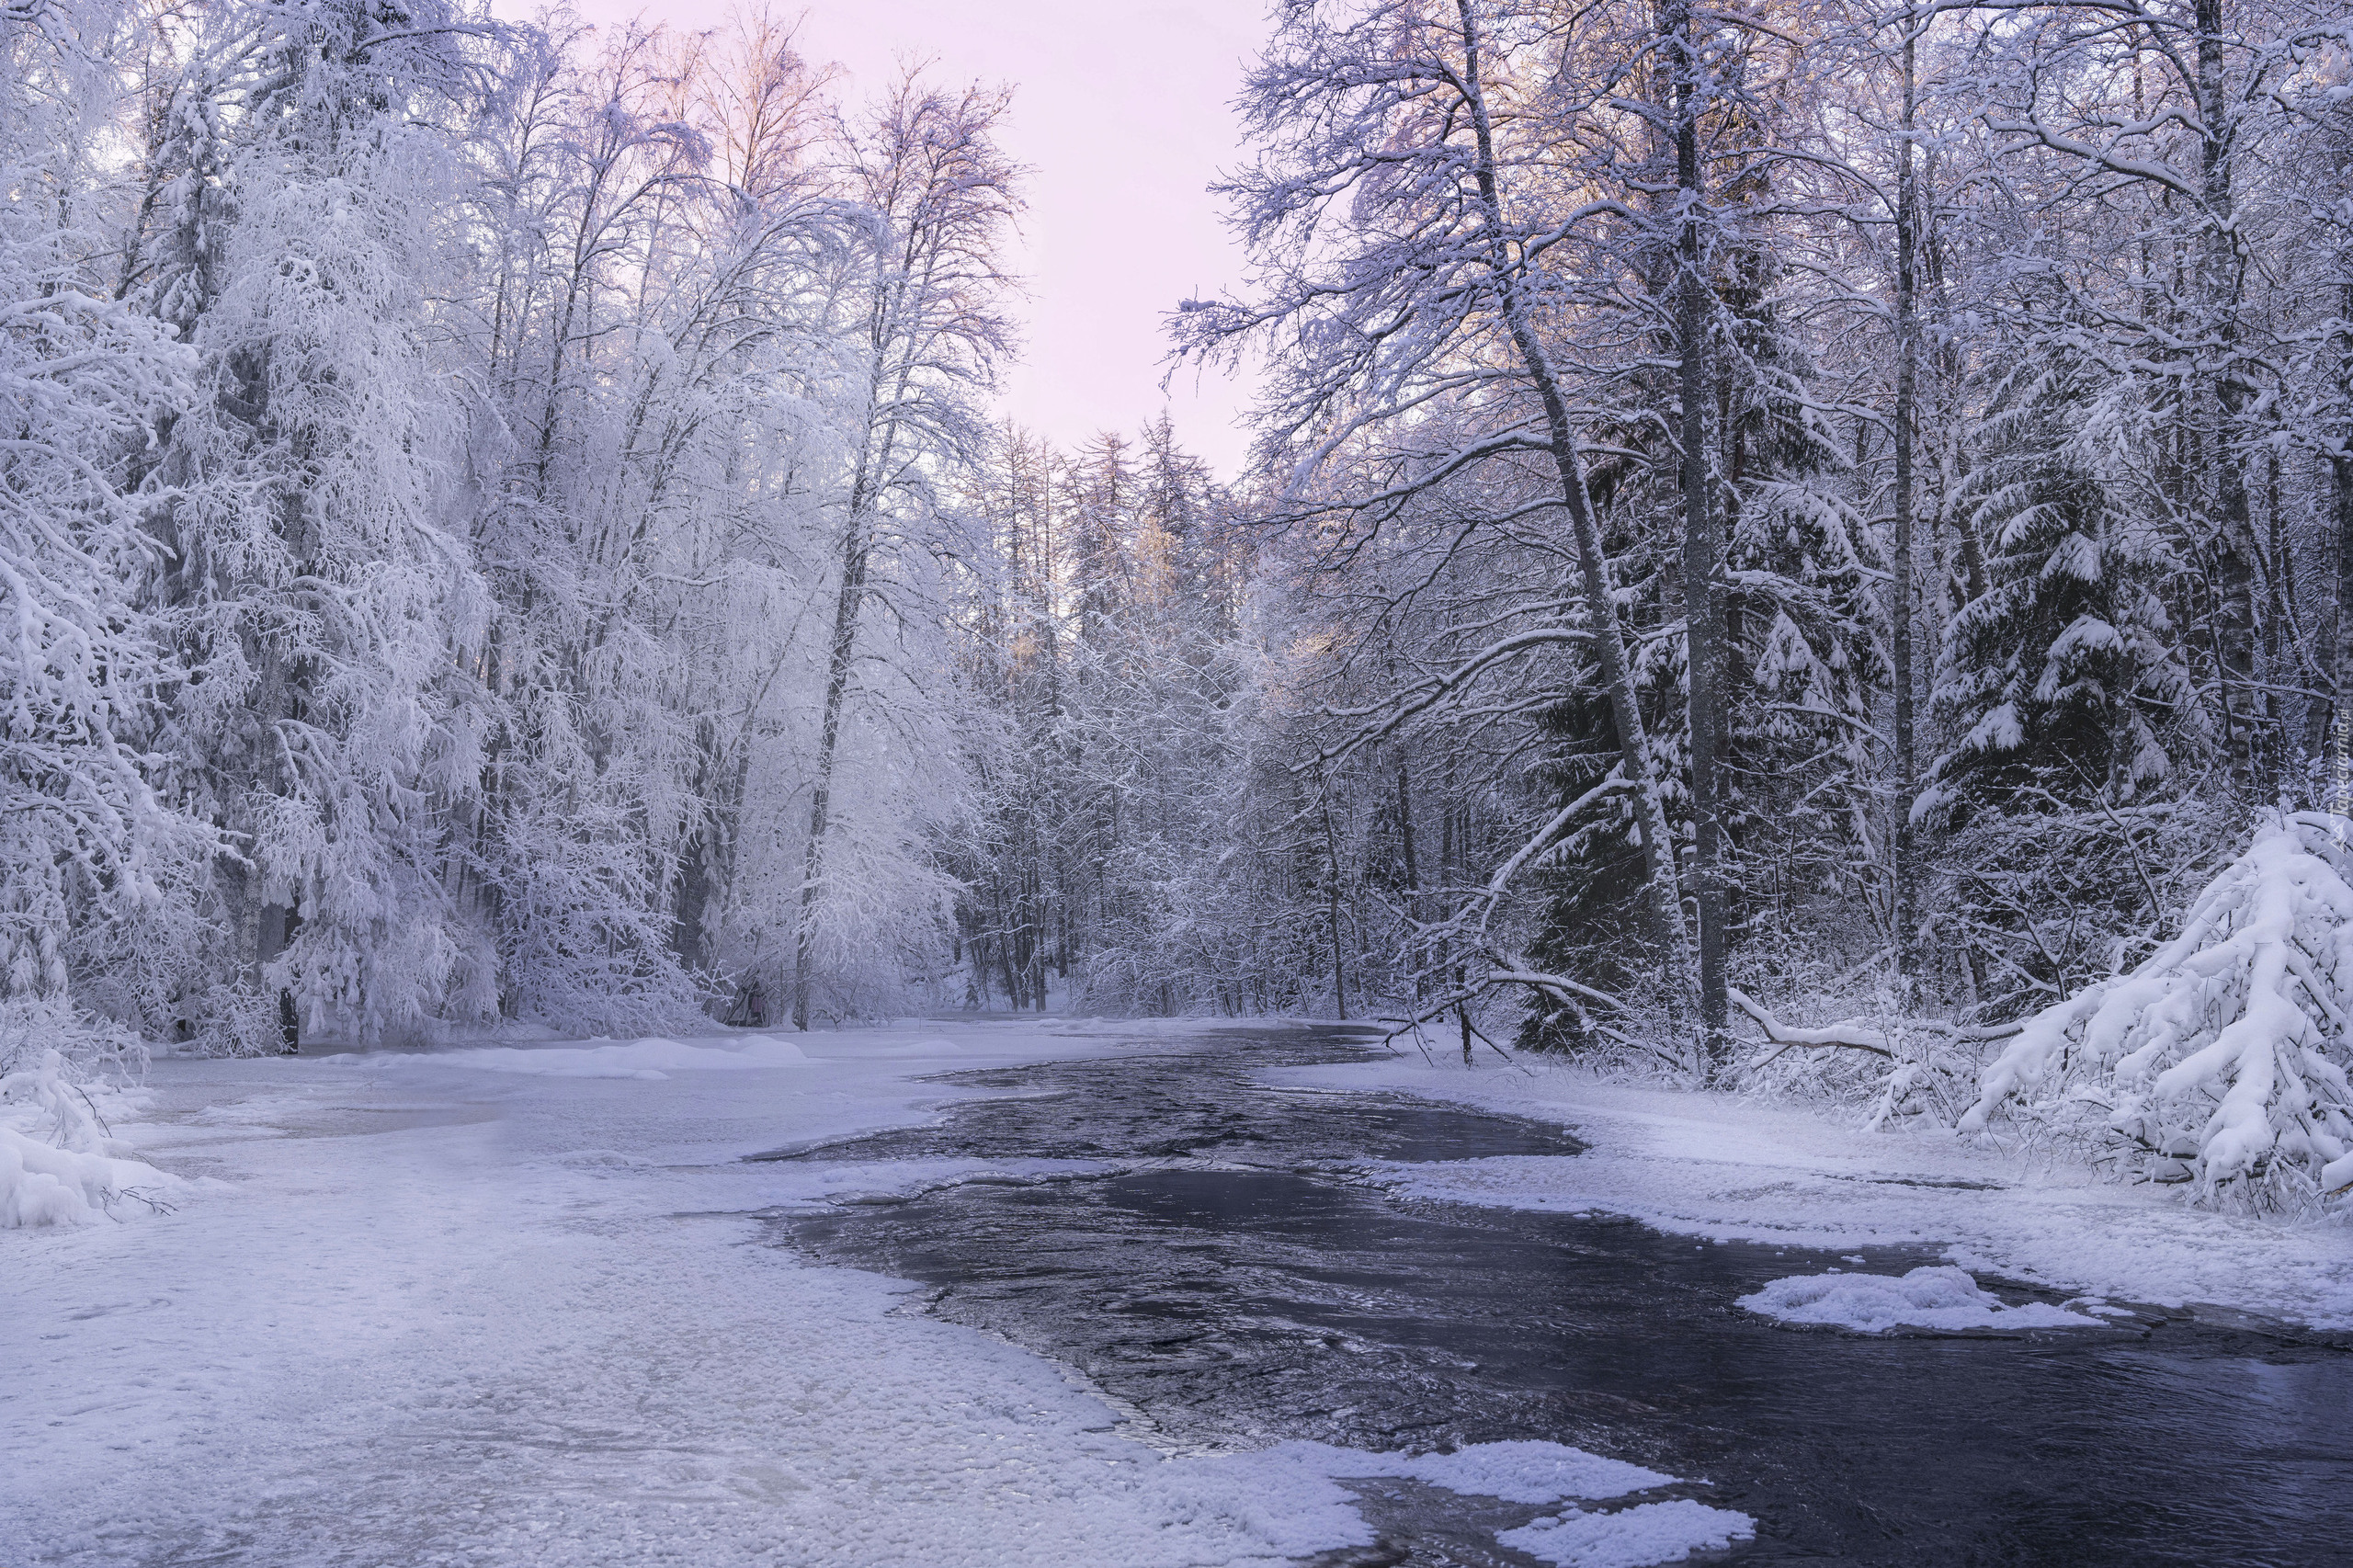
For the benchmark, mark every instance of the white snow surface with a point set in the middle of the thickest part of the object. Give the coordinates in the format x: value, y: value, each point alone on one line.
x: 424, y: 1309
x: 1934, y: 1296
x: 653, y: 1058
x: 1727, y: 1168
x: 1630, y: 1538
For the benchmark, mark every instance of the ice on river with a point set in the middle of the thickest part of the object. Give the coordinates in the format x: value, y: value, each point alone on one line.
x: 1516, y: 1472
x: 1939, y: 1296
x: 1729, y: 1168
x: 509, y: 1308
x: 1539, y: 1472
x: 653, y: 1058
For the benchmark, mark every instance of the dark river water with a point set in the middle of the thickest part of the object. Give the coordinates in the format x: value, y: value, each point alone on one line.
x: 1243, y: 1281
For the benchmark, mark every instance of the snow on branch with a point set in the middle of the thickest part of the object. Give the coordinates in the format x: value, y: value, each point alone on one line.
x: 1849, y: 1035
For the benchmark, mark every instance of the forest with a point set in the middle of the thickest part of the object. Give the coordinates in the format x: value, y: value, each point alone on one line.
x: 1802, y: 546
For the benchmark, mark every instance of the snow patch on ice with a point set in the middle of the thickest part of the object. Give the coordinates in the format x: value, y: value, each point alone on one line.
x: 850, y: 1045
x: 601, y: 1161
x: 1293, y: 1503
x: 1529, y: 1471
x: 1936, y: 1296
x: 1632, y: 1538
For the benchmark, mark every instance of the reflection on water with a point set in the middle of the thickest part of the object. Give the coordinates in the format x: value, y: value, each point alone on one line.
x: 1238, y: 1288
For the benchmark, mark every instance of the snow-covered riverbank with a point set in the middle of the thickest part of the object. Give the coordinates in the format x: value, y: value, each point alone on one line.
x: 1726, y: 1168
x: 510, y: 1307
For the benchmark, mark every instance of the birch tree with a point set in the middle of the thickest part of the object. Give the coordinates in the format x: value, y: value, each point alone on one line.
x: 1404, y: 267
x: 922, y: 302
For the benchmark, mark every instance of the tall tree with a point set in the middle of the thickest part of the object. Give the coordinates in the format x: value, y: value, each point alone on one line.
x: 923, y: 299
x: 94, y: 858
x: 1394, y: 111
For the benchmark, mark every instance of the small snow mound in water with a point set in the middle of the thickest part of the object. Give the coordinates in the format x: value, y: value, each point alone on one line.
x: 1526, y: 1471
x: 1937, y: 1296
x: 1632, y: 1538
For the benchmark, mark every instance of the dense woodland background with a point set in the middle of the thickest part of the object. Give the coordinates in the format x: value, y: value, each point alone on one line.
x: 1758, y: 510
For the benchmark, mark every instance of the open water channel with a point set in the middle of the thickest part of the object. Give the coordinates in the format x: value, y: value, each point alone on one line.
x: 1241, y: 1280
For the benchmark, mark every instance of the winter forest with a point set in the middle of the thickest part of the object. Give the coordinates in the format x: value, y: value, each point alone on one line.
x: 1799, y: 548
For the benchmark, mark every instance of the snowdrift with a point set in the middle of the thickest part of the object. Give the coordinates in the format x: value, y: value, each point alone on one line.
x: 2220, y: 1061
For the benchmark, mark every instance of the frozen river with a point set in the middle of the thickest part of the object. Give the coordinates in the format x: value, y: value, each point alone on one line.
x: 1243, y: 1277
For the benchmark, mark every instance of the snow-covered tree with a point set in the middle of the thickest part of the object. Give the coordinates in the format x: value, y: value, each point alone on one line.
x: 921, y: 306
x: 94, y: 853
x: 2220, y: 1058
x: 640, y: 462
x: 2062, y: 679
x: 322, y: 604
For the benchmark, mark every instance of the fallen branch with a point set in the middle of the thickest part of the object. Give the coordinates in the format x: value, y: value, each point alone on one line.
x: 1558, y: 984
x: 1459, y: 998
x: 1849, y: 1037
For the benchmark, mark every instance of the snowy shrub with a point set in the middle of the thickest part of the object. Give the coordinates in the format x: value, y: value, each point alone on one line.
x: 2220, y: 1060
x: 237, y: 1020
x: 58, y: 1165
x: 1899, y: 1070
x: 2030, y: 905
x: 32, y: 1028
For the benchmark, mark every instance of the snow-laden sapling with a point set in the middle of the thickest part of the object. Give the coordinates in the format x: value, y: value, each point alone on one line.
x: 59, y: 1162
x: 2220, y: 1061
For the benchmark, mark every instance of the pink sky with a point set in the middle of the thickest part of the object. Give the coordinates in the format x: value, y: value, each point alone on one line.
x: 1120, y: 111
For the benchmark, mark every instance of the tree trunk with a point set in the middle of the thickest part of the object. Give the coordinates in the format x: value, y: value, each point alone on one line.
x: 2341, y: 648
x: 279, y: 924
x: 2341, y: 719
x: 1413, y: 871
x: 1593, y: 566
x: 1702, y: 550
x: 2233, y: 525
x: 1339, y: 969
x: 867, y: 487
x: 1907, y: 218
x: 838, y: 667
